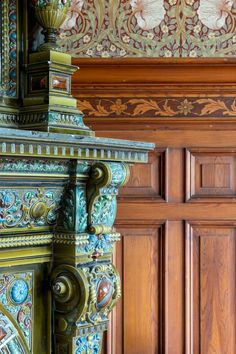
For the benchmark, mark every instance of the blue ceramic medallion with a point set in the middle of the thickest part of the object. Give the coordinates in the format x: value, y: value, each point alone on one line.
x: 19, y: 291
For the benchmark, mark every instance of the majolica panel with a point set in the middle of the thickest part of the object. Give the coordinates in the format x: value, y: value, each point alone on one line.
x: 156, y: 28
x: 58, y: 199
x: 8, y: 47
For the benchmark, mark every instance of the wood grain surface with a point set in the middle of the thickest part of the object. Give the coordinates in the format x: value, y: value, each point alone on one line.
x: 177, y: 214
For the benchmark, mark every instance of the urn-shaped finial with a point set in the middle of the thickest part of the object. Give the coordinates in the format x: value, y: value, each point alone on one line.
x: 50, y: 15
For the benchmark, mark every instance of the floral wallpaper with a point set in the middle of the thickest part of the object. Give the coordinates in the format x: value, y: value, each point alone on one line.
x: 150, y: 28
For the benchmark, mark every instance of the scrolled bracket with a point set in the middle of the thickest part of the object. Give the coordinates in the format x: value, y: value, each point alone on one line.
x: 104, y: 183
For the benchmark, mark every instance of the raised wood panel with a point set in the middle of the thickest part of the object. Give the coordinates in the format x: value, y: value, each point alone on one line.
x: 210, y: 175
x: 147, y: 181
x: 170, y: 302
x: 139, y: 261
x: 211, y: 289
x: 173, y: 322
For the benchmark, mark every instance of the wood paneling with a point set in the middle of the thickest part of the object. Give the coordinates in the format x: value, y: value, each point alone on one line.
x: 141, y: 250
x: 148, y: 71
x: 211, y: 289
x: 210, y: 174
x: 178, y: 285
x: 149, y: 180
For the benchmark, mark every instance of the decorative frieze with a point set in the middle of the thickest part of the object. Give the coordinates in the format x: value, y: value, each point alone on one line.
x: 62, y: 150
x: 28, y: 208
x: 196, y: 107
x: 34, y: 166
x: 9, y: 119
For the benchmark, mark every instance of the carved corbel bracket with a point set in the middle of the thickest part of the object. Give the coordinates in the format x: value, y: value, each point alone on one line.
x: 106, y: 178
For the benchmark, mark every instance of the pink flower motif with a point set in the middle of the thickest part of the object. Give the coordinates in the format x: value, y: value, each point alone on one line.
x: 149, y: 13
x: 73, y: 14
x: 213, y: 13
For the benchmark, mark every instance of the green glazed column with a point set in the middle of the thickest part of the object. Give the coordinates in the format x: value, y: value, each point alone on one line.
x: 85, y: 283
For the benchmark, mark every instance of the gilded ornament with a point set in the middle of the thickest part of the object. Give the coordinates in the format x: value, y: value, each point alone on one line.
x: 27, y: 208
x: 38, y: 210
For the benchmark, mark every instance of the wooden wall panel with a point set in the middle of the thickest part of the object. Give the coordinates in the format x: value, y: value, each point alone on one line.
x: 138, y: 312
x: 173, y: 304
x: 147, y: 181
x: 211, y: 289
x: 210, y: 174
x: 178, y: 287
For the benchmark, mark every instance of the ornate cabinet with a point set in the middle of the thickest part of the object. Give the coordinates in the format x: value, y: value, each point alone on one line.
x: 58, y: 191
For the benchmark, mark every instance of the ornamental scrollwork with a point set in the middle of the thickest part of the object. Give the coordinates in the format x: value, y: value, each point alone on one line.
x: 33, y: 166
x: 104, y: 292
x: 36, y: 207
x: 105, y: 180
x: 85, y: 296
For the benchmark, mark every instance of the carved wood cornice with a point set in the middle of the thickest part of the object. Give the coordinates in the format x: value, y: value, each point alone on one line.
x: 172, y: 91
x: 151, y: 72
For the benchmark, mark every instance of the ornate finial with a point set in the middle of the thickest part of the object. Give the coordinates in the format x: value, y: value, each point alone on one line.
x: 50, y: 15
